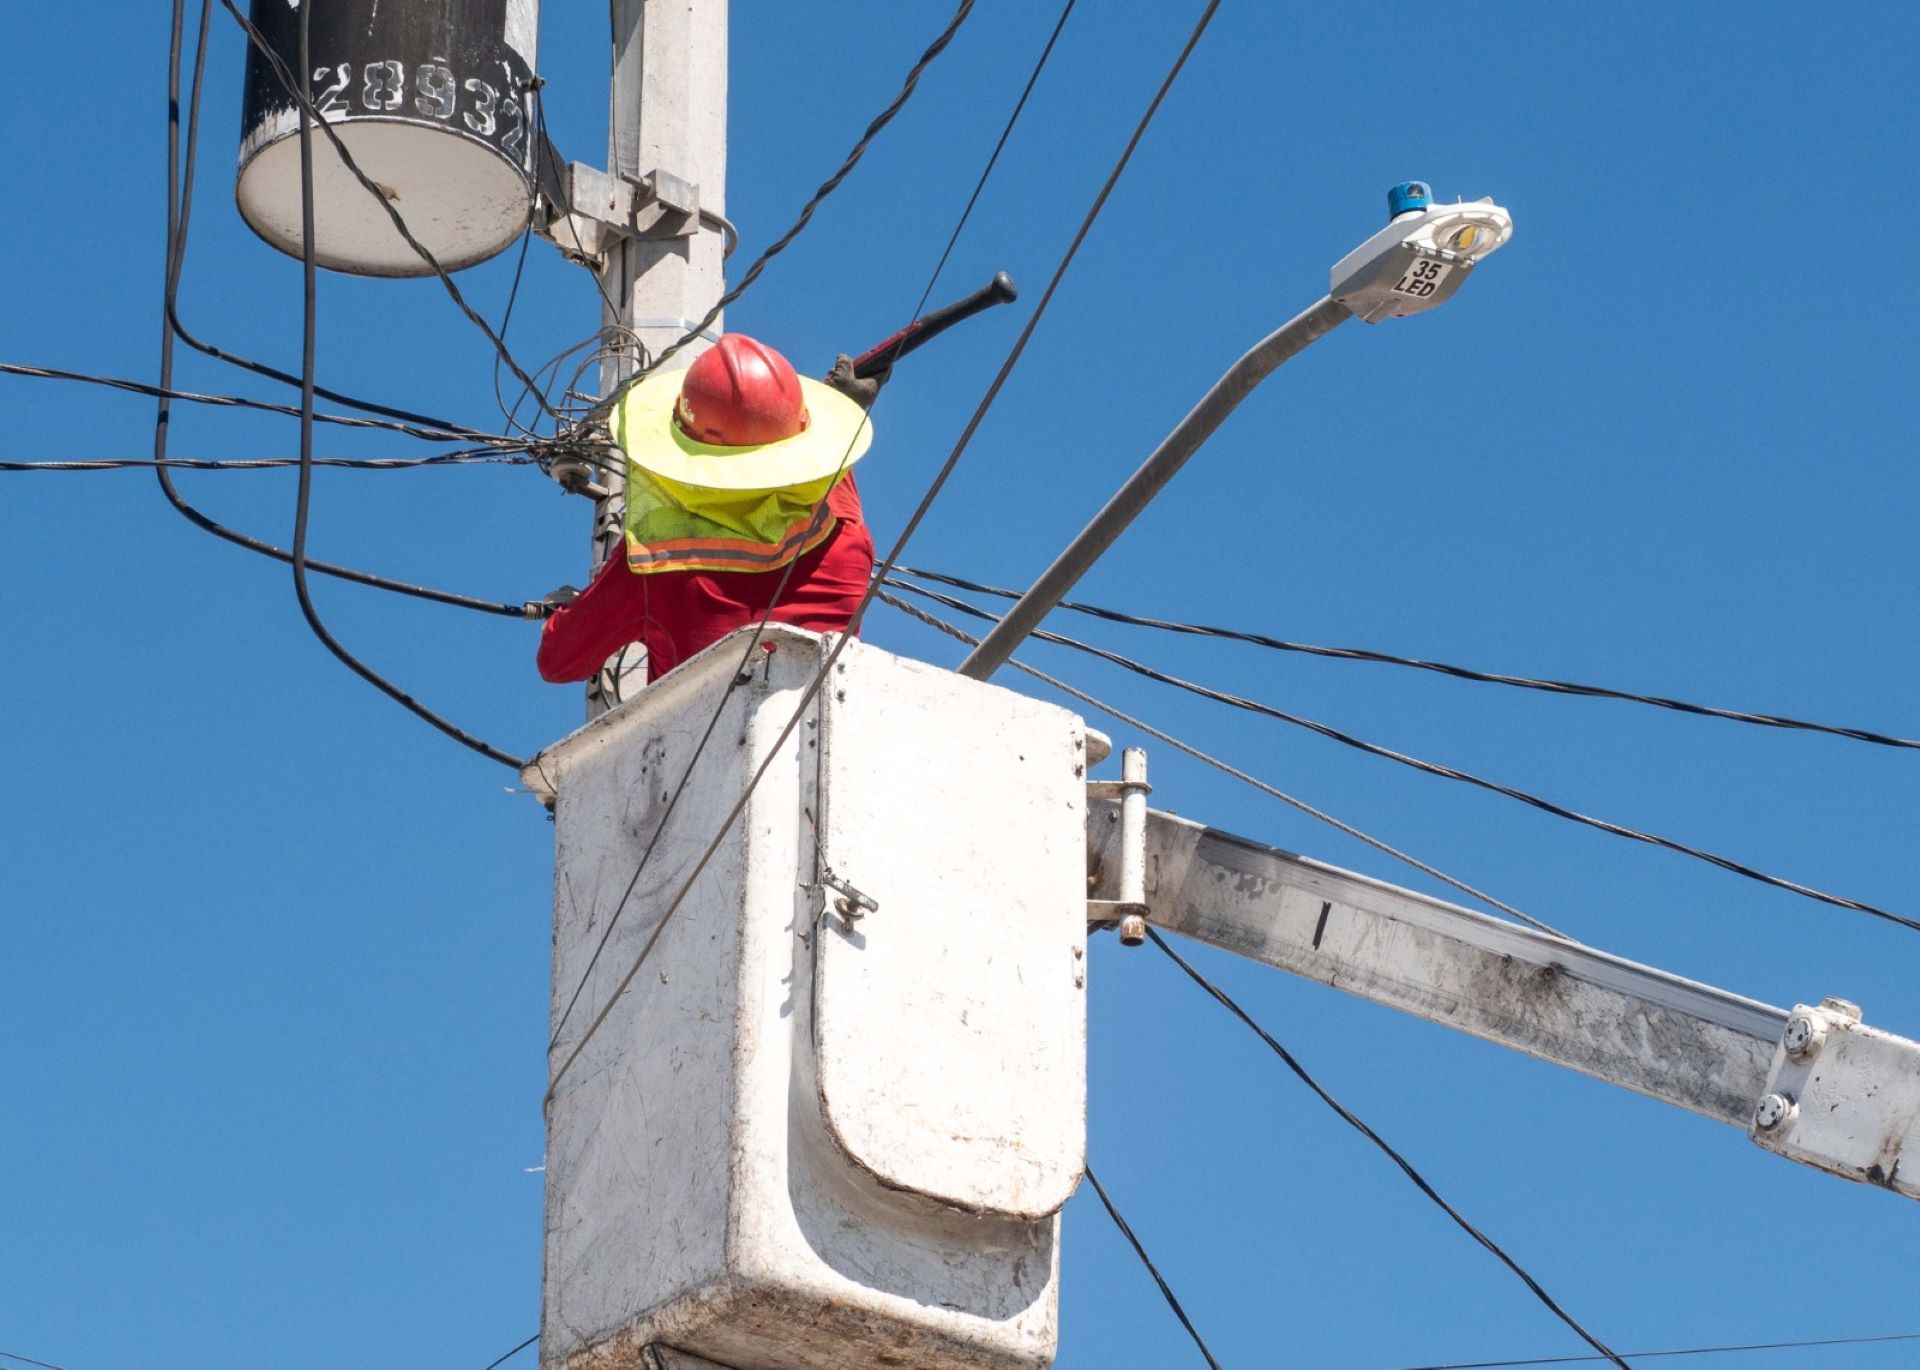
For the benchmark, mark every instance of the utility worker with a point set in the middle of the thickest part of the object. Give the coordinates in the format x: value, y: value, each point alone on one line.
x: 741, y: 507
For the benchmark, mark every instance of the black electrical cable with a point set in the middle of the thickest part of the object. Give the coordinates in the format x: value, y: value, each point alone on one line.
x: 826, y: 188
x: 28, y: 1360
x: 163, y: 418
x: 1681, y: 1351
x: 481, y: 457
x: 1451, y: 773
x: 1562, y: 687
x: 1207, y: 759
x: 993, y: 159
x: 297, y: 90
x: 1420, y: 1182
x: 167, y: 392
x: 1166, y: 1290
x: 234, y: 359
x: 494, y: 1365
x: 310, y: 312
x: 506, y: 315
x: 819, y: 510
x: 913, y: 522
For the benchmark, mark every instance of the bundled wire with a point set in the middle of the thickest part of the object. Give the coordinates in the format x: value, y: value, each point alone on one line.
x: 1435, y: 768
x: 1166, y: 1290
x: 485, y: 456
x: 167, y: 392
x: 1561, y: 687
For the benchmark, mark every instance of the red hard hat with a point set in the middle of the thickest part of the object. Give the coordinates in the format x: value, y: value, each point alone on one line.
x: 740, y: 393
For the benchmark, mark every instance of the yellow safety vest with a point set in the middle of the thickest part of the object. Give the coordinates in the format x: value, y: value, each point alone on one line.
x: 675, y: 527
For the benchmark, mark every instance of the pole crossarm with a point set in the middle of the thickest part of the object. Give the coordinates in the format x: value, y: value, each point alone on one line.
x: 1689, y: 1044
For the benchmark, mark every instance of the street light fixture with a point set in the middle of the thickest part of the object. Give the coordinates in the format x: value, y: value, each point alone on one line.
x: 1413, y: 264
x: 1420, y: 258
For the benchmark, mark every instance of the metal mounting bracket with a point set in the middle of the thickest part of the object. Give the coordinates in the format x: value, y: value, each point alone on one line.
x: 852, y: 905
x: 1129, y: 911
x: 589, y: 211
x: 579, y: 463
x: 1843, y: 1097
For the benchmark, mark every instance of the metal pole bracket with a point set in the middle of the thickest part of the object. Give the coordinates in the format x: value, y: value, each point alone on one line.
x: 1129, y: 911
x: 588, y: 211
x: 851, y: 903
x: 1844, y: 1098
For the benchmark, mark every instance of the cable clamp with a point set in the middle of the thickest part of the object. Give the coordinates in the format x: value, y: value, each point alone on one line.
x: 852, y: 905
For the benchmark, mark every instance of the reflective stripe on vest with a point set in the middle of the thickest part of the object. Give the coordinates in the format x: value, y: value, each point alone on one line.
x: 731, y: 531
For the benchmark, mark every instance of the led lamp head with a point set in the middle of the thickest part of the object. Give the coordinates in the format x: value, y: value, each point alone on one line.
x: 1470, y: 231
x: 1419, y: 259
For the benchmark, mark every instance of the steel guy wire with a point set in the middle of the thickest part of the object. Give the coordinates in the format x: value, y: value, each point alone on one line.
x: 166, y: 392
x: 913, y: 522
x: 1208, y: 759
x: 163, y: 417
x: 1420, y: 1182
x: 309, y: 270
x: 297, y: 90
x: 1680, y: 1351
x: 820, y: 508
x: 186, y: 213
x: 1166, y: 1290
x: 1562, y: 687
x: 1452, y: 773
x: 826, y: 188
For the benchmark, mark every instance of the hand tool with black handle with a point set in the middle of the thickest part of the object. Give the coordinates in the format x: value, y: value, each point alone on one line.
x: 878, y: 360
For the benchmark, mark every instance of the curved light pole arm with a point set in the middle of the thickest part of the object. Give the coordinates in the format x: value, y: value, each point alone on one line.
x: 1167, y: 459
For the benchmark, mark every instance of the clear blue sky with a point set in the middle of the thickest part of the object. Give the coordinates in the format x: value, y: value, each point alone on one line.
x: 276, y: 954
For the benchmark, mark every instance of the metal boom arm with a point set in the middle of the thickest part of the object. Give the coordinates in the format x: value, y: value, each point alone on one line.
x: 1814, y: 1085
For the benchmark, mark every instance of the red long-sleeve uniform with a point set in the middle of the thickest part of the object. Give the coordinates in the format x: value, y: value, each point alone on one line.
x: 676, y: 614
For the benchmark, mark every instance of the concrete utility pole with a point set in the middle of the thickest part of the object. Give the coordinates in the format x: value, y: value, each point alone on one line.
x: 667, y: 142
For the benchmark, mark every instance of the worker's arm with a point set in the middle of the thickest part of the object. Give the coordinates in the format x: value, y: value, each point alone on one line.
x: 582, y: 635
